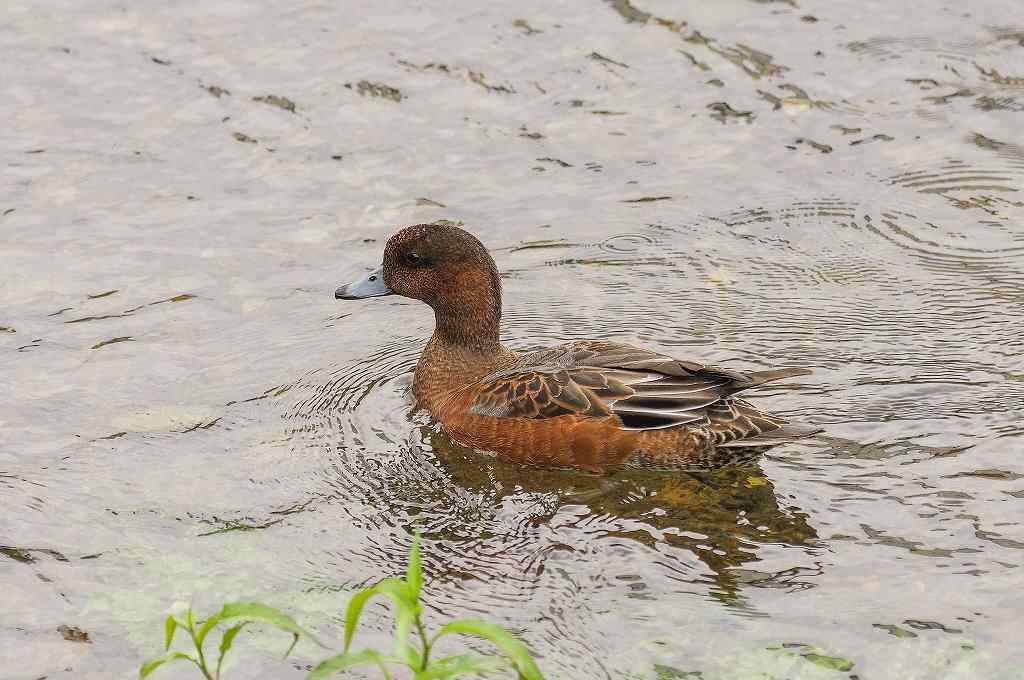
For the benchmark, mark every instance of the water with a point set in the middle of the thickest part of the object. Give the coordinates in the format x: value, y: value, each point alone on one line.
x: 189, y: 414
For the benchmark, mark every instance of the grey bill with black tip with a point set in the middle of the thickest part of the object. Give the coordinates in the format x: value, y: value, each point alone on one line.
x: 371, y: 286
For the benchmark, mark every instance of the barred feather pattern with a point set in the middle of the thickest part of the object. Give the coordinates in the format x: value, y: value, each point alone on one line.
x: 643, y: 390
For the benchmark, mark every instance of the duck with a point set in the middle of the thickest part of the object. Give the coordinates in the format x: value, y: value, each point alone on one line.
x: 596, y: 405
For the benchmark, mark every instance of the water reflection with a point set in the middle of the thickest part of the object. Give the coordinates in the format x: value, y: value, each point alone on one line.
x: 719, y: 516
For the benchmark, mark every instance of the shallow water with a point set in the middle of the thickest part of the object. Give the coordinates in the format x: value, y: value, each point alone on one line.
x: 188, y: 414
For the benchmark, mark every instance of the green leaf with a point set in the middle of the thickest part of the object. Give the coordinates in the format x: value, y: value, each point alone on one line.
x: 181, y: 612
x: 352, y: 613
x: 406, y: 611
x: 399, y: 593
x: 255, y: 612
x: 226, y: 641
x: 390, y: 587
x: 404, y: 620
x: 463, y: 664
x: 154, y: 663
x: 414, y: 572
x: 336, y: 664
x: 169, y: 627
x: 515, y: 650
x: 229, y: 637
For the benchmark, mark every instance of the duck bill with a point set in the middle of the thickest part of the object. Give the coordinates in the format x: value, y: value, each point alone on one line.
x: 371, y: 286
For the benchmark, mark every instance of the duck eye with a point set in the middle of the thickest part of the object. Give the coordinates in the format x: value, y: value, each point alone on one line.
x: 413, y: 258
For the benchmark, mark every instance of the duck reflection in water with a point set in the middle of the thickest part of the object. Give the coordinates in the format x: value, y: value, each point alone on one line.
x: 720, y: 516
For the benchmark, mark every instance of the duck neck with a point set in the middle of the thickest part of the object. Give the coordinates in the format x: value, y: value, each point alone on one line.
x: 468, y: 328
x: 468, y: 316
x: 465, y: 345
x: 464, y: 348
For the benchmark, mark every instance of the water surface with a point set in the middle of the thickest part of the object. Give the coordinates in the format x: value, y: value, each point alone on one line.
x: 188, y: 414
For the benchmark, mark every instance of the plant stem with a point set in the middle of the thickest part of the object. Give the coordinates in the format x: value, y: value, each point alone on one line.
x: 199, y: 649
x: 426, y: 643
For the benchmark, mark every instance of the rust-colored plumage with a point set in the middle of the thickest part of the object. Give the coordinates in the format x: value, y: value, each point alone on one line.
x: 589, y: 404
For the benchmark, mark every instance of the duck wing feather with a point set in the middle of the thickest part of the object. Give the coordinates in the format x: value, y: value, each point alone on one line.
x: 644, y: 389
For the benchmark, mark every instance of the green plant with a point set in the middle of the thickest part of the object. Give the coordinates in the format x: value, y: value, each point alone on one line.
x: 405, y: 596
x: 238, y: 613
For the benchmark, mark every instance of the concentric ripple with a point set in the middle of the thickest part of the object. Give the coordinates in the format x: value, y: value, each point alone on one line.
x: 343, y: 388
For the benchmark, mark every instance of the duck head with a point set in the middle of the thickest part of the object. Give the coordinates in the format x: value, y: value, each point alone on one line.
x: 445, y: 267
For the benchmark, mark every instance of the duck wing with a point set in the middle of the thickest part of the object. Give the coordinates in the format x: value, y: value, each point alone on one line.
x: 644, y: 389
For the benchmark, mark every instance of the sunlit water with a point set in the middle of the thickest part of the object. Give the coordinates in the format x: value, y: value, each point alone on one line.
x: 187, y: 413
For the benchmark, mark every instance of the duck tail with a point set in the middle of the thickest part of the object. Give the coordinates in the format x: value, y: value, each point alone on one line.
x: 761, y: 377
x: 787, y: 433
x: 744, y: 380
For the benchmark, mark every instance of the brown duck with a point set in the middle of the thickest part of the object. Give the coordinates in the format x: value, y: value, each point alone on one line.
x: 590, y: 404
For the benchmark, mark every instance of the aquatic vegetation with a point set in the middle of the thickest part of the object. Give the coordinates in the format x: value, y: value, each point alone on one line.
x: 239, y: 614
x: 405, y: 596
x: 814, y: 656
x: 366, y: 88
